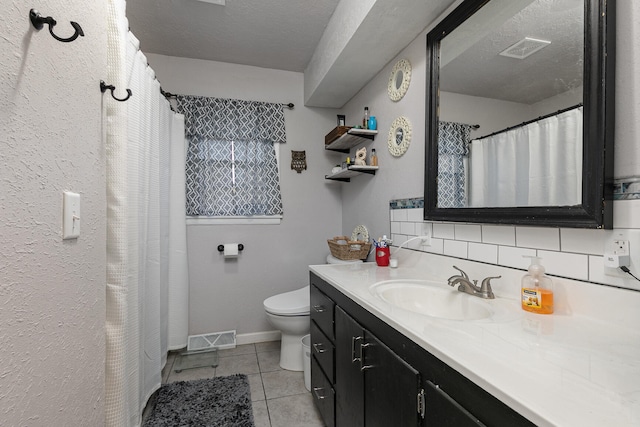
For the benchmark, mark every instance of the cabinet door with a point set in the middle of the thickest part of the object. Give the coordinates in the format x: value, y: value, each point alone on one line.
x: 349, y: 383
x: 391, y: 387
x: 442, y: 411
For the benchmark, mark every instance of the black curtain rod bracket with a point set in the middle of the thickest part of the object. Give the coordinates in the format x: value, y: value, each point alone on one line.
x: 38, y: 21
x: 104, y: 87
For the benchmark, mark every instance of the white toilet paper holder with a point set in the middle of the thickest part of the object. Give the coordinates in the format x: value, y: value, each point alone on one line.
x: 221, y: 247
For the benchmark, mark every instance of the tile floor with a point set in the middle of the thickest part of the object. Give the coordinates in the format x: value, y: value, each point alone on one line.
x: 279, y: 396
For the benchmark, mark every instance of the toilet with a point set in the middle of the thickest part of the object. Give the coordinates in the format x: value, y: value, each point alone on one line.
x: 289, y: 313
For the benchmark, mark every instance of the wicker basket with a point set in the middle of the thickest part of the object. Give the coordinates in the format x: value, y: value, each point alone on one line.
x: 353, y: 249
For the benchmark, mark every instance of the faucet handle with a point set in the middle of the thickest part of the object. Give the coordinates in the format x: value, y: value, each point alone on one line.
x: 485, y: 288
x: 462, y: 272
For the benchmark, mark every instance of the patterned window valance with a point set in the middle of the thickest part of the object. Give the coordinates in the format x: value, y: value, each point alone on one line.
x: 453, y: 146
x: 231, y: 163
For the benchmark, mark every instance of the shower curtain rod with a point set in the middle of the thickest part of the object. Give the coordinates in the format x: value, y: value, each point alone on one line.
x: 546, y: 116
x: 290, y: 105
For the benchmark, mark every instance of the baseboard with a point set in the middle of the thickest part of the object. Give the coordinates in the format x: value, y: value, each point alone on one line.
x: 256, y: 337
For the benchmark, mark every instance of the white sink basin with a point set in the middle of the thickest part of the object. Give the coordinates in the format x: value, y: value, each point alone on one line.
x: 432, y: 299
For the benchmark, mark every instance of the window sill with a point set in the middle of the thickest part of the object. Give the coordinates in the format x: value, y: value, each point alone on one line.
x: 234, y: 220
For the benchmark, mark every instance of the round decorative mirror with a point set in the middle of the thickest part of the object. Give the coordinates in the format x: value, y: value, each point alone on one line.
x: 399, y: 136
x: 399, y: 79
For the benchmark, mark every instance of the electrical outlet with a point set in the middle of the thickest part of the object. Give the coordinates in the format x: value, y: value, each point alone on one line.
x: 621, y: 247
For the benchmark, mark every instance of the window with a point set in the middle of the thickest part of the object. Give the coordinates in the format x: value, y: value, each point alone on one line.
x: 231, y: 166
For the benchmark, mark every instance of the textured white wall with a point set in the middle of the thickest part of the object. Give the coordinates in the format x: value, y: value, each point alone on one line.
x: 52, y: 301
x: 365, y: 199
x: 229, y: 294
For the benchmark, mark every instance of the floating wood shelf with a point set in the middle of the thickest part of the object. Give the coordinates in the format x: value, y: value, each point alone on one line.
x: 350, y: 139
x: 345, y: 175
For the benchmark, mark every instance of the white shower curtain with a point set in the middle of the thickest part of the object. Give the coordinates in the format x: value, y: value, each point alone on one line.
x: 147, y: 283
x: 539, y: 164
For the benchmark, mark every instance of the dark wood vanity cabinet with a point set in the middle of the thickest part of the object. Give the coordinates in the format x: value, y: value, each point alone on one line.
x: 364, y: 373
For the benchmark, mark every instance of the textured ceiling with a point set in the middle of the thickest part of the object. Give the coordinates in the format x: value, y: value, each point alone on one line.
x: 558, y: 68
x: 264, y: 33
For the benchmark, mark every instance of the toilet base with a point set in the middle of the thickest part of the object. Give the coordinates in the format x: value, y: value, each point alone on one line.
x: 291, y: 352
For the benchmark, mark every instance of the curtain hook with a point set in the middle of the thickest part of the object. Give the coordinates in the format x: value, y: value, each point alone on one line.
x: 104, y: 87
x: 38, y: 21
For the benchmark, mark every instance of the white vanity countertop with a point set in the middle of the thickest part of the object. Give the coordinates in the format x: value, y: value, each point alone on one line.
x: 565, y: 369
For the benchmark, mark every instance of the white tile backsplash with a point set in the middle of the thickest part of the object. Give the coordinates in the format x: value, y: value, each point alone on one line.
x: 456, y: 248
x: 583, y: 241
x: 499, y: 234
x: 514, y: 257
x: 416, y: 214
x: 468, y: 232
x: 566, y: 264
x: 483, y: 252
x: 444, y: 231
x: 538, y: 237
x: 408, y: 228
x: 566, y: 252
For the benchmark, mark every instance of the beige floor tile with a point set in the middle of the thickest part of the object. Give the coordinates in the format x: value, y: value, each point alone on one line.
x: 242, y: 364
x: 241, y: 349
x: 268, y: 346
x: 261, y: 414
x: 191, y: 374
x: 257, y: 389
x: 294, y: 411
x: 269, y: 361
x: 283, y: 383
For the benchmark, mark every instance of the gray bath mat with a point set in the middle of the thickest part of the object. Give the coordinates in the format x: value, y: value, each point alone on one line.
x: 212, y: 402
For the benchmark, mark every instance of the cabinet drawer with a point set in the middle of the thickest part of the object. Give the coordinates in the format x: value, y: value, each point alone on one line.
x: 321, y: 309
x: 323, y: 394
x: 323, y: 350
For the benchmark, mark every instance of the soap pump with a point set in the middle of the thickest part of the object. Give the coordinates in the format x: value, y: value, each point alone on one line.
x: 537, y: 292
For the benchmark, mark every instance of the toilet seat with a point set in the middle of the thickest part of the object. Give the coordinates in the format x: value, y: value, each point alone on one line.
x: 293, y: 303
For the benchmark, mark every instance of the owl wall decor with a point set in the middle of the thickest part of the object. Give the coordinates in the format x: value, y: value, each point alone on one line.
x: 298, y: 161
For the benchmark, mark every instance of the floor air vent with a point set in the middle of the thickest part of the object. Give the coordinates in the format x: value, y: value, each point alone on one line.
x: 214, y: 340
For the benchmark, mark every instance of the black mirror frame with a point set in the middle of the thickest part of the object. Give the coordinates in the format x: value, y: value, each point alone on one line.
x: 596, y: 210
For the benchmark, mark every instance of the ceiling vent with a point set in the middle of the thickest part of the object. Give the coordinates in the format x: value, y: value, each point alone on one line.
x: 525, y: 47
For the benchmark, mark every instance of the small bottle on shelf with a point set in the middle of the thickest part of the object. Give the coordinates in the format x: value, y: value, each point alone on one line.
x: 365, y: 119
x: 374, y: 158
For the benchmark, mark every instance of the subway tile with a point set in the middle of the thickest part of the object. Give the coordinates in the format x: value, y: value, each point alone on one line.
x: 444, y: 231
x: 437, y: 246
x: 398, y: 239
x: 499, y: 235
x: 626, y: 213
x: 416, y: 214
x: 408, y: 228
x: 468, y: 232
x: 395, y: 227
x: 538, y: 238
x: 514, y: 257
x: 583, y: 241
x: 455, y: 248
x: 399, y: 215
x: 483, y: 252
x: 575, y: 266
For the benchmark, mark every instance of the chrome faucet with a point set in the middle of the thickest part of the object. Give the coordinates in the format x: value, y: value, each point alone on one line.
x: 465, y: 285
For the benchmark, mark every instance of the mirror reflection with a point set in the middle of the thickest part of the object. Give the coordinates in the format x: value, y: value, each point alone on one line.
x: 399, y: 135
x: 399, y: 78
x: 515, y: 68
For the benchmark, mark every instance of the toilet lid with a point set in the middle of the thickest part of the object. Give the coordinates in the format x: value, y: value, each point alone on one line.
x: 289, y: 303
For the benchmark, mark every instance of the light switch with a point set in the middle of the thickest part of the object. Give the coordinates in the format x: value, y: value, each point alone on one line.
x: 70, y: 215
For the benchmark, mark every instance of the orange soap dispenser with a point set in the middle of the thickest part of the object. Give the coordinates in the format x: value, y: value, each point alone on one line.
x: 537, y: 291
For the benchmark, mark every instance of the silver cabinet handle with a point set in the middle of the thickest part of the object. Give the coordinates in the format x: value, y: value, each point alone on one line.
x: 317, y: 391
x: 319, y: 308
x: 364, y: 367
x: 353, y: 349
x: 318, y: 348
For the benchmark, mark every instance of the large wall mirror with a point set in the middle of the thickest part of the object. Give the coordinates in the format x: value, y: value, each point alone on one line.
x: 520, y: 113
